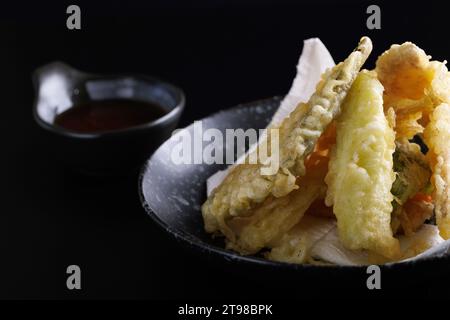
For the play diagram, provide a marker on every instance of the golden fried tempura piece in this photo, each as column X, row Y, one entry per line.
column 245, row 187
column 276, row 216
column 413, row 85
column 404, row 71
column 361, row 173
column 437, row 138
column 271, row 219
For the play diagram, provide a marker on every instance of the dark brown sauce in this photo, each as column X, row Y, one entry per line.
column 108, row 115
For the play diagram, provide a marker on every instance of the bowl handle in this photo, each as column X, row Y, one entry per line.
column 55, row 86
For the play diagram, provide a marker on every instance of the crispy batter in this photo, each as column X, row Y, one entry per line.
column 245, row 187
column 275, row 216
column 270, row 220
column 404, row 71
column 408, row 125
column 361, row 173
column 413, row 84
column 437, row 138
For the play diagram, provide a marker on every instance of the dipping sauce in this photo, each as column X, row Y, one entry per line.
column 108, row 115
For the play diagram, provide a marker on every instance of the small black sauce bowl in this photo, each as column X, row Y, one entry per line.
column 60, row 87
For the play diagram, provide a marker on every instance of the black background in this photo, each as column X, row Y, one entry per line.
column 221, row 53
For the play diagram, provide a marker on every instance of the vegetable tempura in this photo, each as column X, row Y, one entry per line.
column 354, row 186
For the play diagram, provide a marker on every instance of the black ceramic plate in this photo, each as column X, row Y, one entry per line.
column 173, row 194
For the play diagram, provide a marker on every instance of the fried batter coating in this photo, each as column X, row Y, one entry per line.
column 245, row 187
column 413, row 85
column 276, row 216
column 404, row 71
column 361, row 173
column 437, row 138
column 271, row 219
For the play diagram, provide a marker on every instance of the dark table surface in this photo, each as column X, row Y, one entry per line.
column 221, row 53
